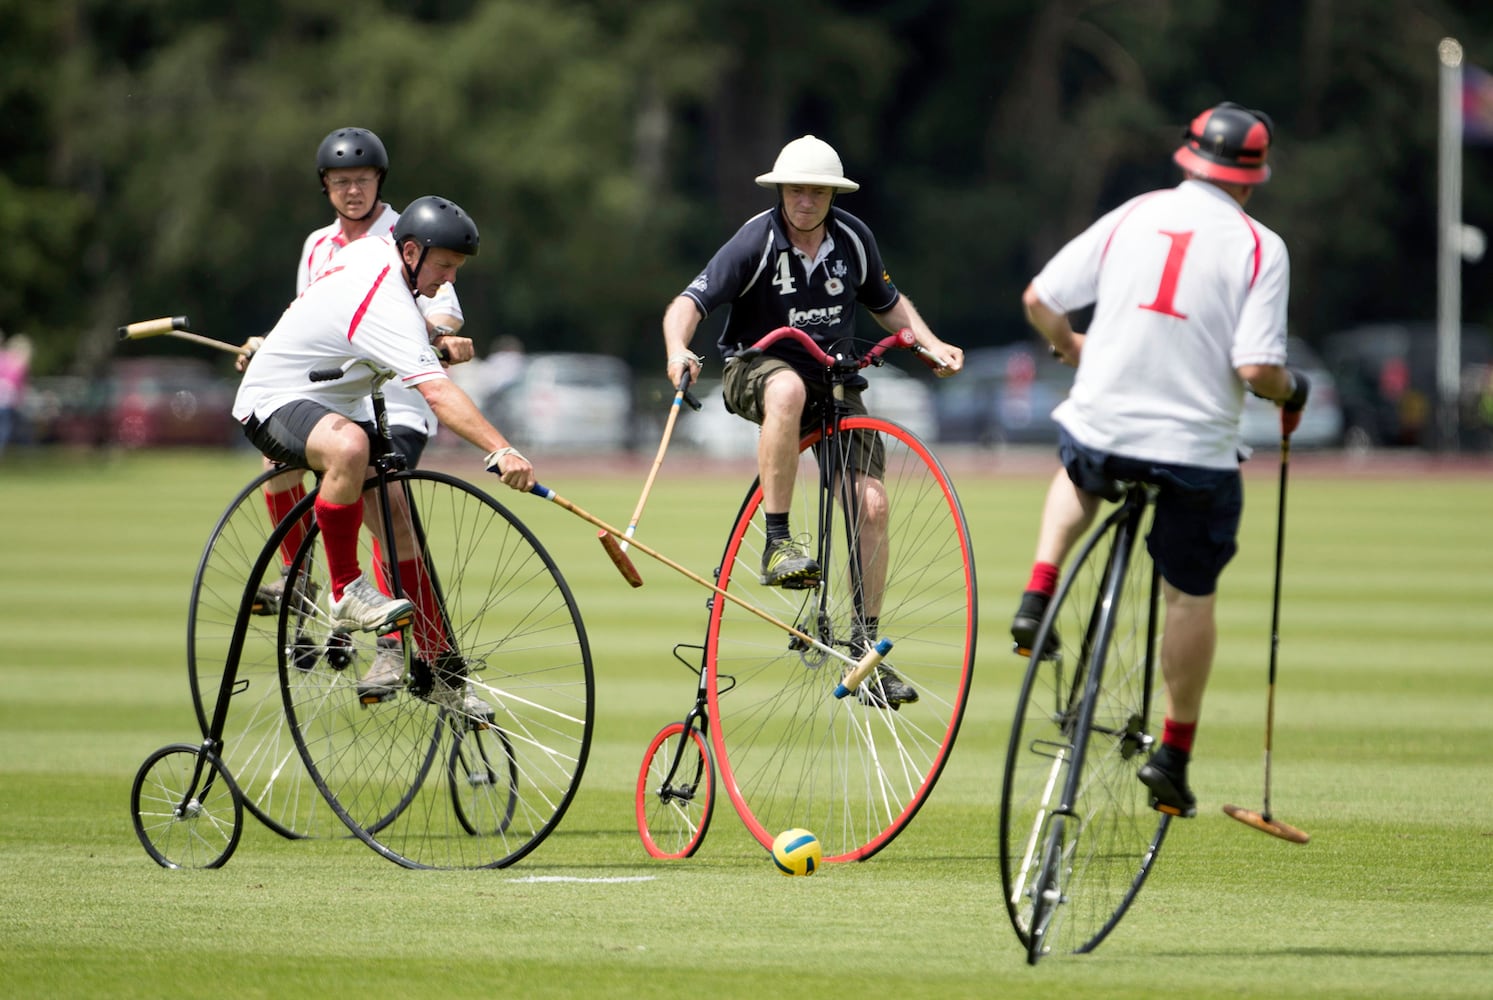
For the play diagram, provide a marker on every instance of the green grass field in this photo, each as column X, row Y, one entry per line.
column 1383, row 752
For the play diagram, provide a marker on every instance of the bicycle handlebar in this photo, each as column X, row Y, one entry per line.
column 902, row 338
column 333, row 374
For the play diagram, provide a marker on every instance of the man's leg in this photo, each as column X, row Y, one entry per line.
column 1187, row 647
column 1066, row 515
column 784, row 562
column 338, row 447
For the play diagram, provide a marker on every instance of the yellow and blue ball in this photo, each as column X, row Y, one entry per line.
column 797, row 852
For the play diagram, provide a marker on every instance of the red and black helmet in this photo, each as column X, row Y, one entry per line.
column 1228, row 143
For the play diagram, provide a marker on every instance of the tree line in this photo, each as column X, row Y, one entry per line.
column 159, row 155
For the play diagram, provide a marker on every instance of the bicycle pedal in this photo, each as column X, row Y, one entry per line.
column 396, row 625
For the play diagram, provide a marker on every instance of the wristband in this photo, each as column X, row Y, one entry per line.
column 687, row 356
column 491, row 461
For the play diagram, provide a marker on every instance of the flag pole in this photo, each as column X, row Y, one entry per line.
column 1449, row 248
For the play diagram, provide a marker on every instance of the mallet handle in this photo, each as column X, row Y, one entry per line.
column 153, row 327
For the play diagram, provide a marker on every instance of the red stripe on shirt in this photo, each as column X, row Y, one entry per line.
column 1256, row 234
column 363, row 306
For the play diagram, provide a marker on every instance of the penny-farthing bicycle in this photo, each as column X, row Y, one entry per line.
column 470, row 763
column 893, row 550
column 1077, row 834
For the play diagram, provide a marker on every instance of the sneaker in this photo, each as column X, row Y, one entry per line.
column 385, row 674
column 787, row 563
column 451, row 690
column 1165, row 774
column 1029, row 619
column 363, row 608
column 269, row 595
column 884, row 687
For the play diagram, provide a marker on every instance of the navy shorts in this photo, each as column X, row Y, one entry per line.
column 1196, row 528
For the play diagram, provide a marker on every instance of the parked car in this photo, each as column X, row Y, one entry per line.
column 1004, row 395
column 170, row 401
column 1386, row 375
column 138, row 403
column 566, row 402
column 1321, row 422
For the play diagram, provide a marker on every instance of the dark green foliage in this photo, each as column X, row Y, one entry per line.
column 158, row 154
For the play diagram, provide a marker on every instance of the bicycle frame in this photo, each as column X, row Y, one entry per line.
column 385, row 462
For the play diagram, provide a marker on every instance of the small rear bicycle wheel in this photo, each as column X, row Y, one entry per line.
column 675, row 792
column 507, row 615
column 256, row 743
column 186, row 808
column 1069, row 875
column 790, row 753
column 483, row 774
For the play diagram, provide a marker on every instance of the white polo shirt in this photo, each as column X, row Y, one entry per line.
column 359, row 307
column 407, row 408
column 1186, row 288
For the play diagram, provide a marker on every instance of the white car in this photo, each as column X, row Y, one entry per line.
column 566, row 402
column 1321, row 422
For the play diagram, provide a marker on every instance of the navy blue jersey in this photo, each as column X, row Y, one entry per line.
column 768, row 284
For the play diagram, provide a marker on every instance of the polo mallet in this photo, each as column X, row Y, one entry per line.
column 174, row 326
column 860, row 668
column 618, row 549
column 1263, row 820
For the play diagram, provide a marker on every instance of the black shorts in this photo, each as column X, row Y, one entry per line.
column 1196, row 528
column 282, row 438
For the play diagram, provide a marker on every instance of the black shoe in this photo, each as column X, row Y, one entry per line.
column 885, row 688
column 1165, row 774
column 1029, row 619
column 787, row 563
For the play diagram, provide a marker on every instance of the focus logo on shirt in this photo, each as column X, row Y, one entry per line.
column 429, row 357
column 814, row 317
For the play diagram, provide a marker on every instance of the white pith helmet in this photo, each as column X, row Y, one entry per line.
column 808, row 160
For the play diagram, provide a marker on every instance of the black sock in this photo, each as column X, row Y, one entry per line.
column 777, row 526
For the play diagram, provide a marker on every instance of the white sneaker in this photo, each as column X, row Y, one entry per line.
column 451, row 690
column 385, row 674
column 364, row 609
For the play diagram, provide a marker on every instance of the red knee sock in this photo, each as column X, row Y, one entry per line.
column 430, row 628
column 339, row 536
column 1178, row 735
column 279, row 505
column 1044, row 578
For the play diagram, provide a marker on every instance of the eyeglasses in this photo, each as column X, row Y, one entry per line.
column 362, row 181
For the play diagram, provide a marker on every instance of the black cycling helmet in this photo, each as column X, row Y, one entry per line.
column 1228, row 143
column 351, row 147
column 432, row 221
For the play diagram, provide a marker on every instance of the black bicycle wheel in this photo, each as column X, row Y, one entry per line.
column 675, row 794
column 1069, row 875
column 505, row 615
column 790, row 753
column 187, row 811
column 483, row 774
column 256, row 743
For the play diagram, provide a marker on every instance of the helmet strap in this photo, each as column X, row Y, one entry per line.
column 411, row 276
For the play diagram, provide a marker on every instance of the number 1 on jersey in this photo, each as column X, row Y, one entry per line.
column 1166, row 295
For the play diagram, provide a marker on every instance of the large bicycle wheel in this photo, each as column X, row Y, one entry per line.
column 507, row 614
column 675, row 792
column 256, row 743
column 791, row 754
column 186, row 809
column 1069, row 875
